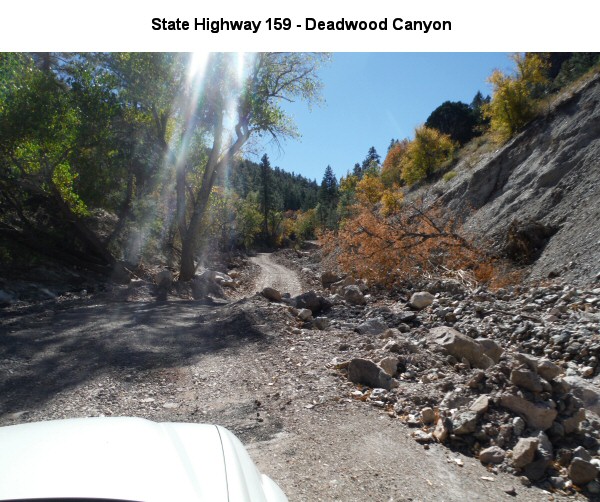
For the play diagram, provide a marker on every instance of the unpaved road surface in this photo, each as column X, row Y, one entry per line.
column 246, row 366
column 276, row 276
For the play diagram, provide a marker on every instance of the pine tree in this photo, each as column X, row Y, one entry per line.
column 265, row 169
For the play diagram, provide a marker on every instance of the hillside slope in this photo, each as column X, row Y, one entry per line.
column 542, row 188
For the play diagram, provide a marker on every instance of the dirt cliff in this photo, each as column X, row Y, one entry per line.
column 538, row 196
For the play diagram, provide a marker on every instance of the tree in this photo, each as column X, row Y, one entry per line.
column 425, row 154
column 328, row 199
column 270, row 78
column 265, row 168
column 391, row 172
column 456, row 119
column 513, row 103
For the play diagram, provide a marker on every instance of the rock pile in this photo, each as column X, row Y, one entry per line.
column 505, row 376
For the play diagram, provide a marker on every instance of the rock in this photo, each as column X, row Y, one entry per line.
column 442, row 429
column 164, row 279
column 459, row 346
column 170, row 405
column 490, row 348
column 547, row 369
column 537, row 415
column 492, row 455
column 363, row 371
column 422, row 437
column 204, row 285
column 309, row 300
column 581, row 452
column 354, row 296
column 321, row 323
column 328, row 278
column 389, row 365
column 586, row 391
column 480, row 405
column 421, row 300
column 371, row 327
column 5, row 298
column 120, row 273
column 526, row 379
column 427, row 415
column 518, row 426
column 593, row 487
column 582, row 472
column 571, row 424
column 464, row 423
column 587, row 372
column 304, row 314
column 524, row 452
column 271, row 294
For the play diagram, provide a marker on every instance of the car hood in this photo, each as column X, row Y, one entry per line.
column 125, row 459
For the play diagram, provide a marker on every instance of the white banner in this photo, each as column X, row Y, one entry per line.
column 307, row 25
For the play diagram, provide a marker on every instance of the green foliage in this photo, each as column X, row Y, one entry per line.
column 450, row 175
column 456, row 119
column 425, row 154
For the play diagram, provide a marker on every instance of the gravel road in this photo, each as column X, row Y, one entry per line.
column 276, row 276
column 246, row 365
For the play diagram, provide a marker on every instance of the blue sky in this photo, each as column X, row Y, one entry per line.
column 373, row 97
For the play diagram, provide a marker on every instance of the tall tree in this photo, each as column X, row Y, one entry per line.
column 265, row 168
column 456, row 119
column 268, row 79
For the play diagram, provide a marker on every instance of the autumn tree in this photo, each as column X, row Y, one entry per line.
column 426, row 154
column 391, row 171
column 513, row 102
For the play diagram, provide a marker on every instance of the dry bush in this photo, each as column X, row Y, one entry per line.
column 418, row 241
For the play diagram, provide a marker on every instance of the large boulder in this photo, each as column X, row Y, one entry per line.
column 537, row 415
column 363, row 371
column 458, row 345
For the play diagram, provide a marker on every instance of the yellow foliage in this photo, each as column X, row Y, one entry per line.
column 425, row 154
column 369, row 190
column 391, row 172
column 513, row 104
column 391, row 202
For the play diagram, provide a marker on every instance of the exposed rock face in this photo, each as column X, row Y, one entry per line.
column 537, row 178
column 459, row 346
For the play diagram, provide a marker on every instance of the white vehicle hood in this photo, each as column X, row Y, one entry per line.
column 126, row 459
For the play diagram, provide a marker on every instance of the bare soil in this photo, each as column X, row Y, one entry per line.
column 246, row 365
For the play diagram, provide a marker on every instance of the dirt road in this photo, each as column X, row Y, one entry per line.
column 276, row 276
column 247, row 366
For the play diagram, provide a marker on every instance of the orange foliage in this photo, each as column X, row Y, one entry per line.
column 413, row 241
column 391, row 171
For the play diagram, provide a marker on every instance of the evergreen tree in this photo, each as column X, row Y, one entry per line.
column 372, row 157
column 265, row 170
column 328, row 199
column 455, row 119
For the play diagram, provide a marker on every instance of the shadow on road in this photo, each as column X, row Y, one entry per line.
column 45, row 353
